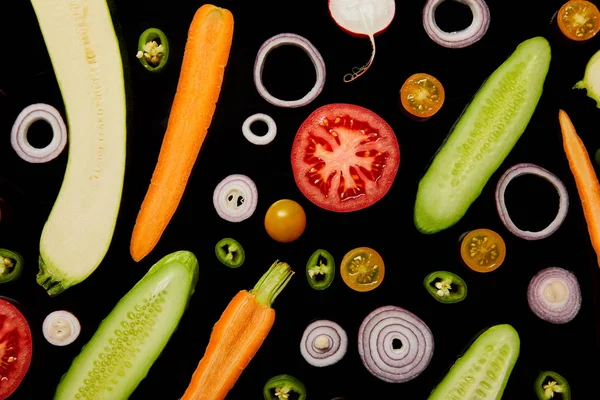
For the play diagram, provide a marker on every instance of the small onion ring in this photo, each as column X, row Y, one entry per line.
column 235, row 198
column 18, row 135
column 552, row 282
column 531, row 169
column 462, row 38
column 375, row 344
column 336, row 343
column 61, row 328
column 255, row 139
column 315, row 57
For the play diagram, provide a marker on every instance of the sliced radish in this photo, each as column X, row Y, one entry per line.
column 362, row 18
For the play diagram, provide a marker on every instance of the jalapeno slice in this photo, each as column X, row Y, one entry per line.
column 153, row 49
column 284, row 387
column 320, row 269
column 11, row 265
column 550, row 385
column 230, row 252
column 445, row 287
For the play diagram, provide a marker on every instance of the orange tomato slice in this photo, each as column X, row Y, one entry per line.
column 483, row 250
column 422, row 95
column 362, row 269
column 579, row 20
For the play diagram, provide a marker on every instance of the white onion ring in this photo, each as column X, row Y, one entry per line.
column 294, row 40
column 375, row 344
column 531, row 169
column 336, row 346
column 61, row 328
column 462, row 38
column 255, row 139
column 18, row 135
column 554, row 295
column 235, row 198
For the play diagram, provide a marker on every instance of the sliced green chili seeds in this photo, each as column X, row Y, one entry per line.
column 230, row 252
column 549, row 384
column 11, row 265
column 320, row 269
column 153, row 49
column 283, row 387
column 445, row 287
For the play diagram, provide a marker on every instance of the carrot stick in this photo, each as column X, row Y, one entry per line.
column 237, row 336
column 586, row 180
column 203, row 66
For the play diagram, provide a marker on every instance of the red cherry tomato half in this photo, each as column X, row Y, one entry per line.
column 15, row 348
column 344, row 157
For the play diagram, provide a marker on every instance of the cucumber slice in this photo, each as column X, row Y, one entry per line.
column 591, row 79
column 482, row 372
column 482, row 137
column 132, row 336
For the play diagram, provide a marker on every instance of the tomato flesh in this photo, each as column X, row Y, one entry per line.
column 344, row 157
column 422, row 95
column 579, row 20
column 362, row 269
column 15, row 348
column 483, row 250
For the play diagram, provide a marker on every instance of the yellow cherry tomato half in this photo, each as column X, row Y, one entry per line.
column 285, row 221
column 579, row 20
column 422, row 95
column 362, row 269
column 483, row 250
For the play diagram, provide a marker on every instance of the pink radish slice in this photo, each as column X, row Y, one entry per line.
column 362, row 18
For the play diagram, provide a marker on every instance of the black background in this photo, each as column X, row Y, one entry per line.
column 26, row 77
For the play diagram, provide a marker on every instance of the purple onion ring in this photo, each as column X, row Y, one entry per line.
column 462, row 38
column 235, row 198
column 531, row 169
column 554, row 295
column 333, row 340
column 377, row 335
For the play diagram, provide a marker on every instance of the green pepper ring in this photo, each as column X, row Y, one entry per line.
column 226, row 257
column 147, row 36
column 17, row 269
column 559, row 379
column 459, row 295
column 284, row 381
column 312, row 262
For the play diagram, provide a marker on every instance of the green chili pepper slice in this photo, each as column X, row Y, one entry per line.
column 284, row 387
column 230, row 252
column 153, row 49
column 445, row 287
column 320, row 269
column 11, row 265
column 550, row 385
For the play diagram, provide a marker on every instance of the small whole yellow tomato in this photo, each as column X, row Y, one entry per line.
column 285, row 220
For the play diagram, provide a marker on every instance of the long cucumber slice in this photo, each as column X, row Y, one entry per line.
column 132, row 336
column 483, row 370
column 482, row 138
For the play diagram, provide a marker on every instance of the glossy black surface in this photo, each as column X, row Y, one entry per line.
column 26, row 77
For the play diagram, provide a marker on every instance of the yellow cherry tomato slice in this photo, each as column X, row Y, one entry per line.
column 579, row 20
column 422, row 95
column 483, row 250
column 362, row 269
column 285, row 221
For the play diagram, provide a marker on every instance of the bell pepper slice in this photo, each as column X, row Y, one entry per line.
column 445, row 287
column 153, row 49
column 548, row 384
column 11, row 265
column 283, row 387
column 320, row 269
column 230, row 252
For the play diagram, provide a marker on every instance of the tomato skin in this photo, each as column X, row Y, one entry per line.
column 14, row 325
column 579, row 9
column 285, row 221
column 488, row 255
column 362, row 269
column 426, row 85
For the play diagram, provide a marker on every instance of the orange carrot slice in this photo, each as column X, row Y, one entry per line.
column 203, row 66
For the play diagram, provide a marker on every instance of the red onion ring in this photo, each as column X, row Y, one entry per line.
column 235, row 198
column 462, row 38
column 29, row 115
column 531, row 169
column 376, row 338
column 323, row 343
column 294, row 40
column 554, row 295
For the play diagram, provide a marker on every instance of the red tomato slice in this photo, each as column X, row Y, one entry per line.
column 15, row 348
column 345, row 157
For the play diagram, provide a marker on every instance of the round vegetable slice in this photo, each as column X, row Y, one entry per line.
column 285, row 220
column 483, row 250
column 283, row 387
column 61, row 328
column 15, row 348
column 252, row 137
column 422, row 95
column 230, row 252
column 462, row 38
column 579, row 20
column 554, row 295
column 323, row 343
column 344, row 157
column 11, row 265
column 235, row 198
column 320, row 269
column 362, row 269
column 445, row 287
column 551, row 385
column 153, row 49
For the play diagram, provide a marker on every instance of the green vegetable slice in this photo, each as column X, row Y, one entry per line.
column 445, row 287
column 230, row 252
column 549, row 385
column 320, row 269
column 591, row 79
column 284, row 387
column 11, row 265
column 153, row 49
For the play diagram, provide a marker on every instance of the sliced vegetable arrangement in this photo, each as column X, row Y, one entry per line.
column 554, row 295
column 320, row 269
column 579, row 20
column 463, row 38
column 422, row 95
column 483, row 250
column 323, row 343
column 445, row 287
